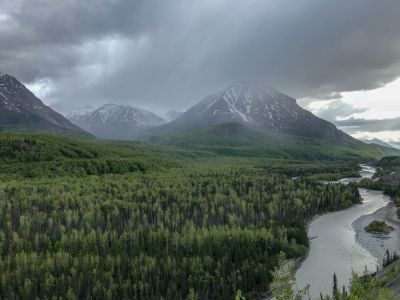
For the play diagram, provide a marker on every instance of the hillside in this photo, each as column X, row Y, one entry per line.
column 21, row 110
column 37, row 155
column 235, row 139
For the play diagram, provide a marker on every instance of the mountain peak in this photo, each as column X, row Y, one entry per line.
column 116, row 121
column 20, row 109
column 259, row 108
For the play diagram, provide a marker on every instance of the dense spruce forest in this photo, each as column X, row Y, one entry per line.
column 102, row 220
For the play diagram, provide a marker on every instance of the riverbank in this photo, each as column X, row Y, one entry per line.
column 377, row 244
column 334, row 248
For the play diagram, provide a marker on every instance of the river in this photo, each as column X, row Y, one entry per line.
column 338, row 242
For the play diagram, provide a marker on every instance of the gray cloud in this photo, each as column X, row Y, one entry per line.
column 172, row 53
column 353, row 125
column 338, row 109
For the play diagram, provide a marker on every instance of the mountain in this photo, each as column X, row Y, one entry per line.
column 257, row 108
column 378, row 142
column 112, row 121
column 87, row 109
column 21, row 110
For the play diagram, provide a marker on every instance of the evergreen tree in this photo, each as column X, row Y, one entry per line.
column 335, row 290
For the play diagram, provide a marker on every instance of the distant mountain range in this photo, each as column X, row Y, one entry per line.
column 243, row 114
column 394, row 144
column 21, row 110
column 378, row 142
column 112, row 121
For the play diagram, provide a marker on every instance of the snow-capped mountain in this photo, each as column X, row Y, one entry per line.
column 87, row 109
column 113, row 121
column 378, row 142
column 20, row 109
column 257, row 108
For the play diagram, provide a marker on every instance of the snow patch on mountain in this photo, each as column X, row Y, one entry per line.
column 126, row 114
column 258, row 108
column 81, row 111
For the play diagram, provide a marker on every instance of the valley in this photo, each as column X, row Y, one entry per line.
column 71, row 206
column 200, row 207
column 199, row 150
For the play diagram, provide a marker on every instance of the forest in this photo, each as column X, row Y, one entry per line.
column 144, row 222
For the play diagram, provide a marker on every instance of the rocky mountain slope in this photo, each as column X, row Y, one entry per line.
column 112, row 121
column 258, row 108
column 21, row 110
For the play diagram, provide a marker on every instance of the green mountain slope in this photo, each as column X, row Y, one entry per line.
column 36, row 155
column 234, row 139
column 16, row 122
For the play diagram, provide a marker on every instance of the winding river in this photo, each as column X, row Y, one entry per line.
column 339, row 243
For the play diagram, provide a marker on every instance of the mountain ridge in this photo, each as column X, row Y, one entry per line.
column 21, row 110
column 115, row 121
column 258, row 108
column 379, row 142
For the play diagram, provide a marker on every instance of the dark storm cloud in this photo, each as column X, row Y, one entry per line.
column 172, row 53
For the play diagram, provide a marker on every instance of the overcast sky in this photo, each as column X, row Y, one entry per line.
column 340, row 58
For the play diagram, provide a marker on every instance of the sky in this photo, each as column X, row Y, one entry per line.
column 340, row 59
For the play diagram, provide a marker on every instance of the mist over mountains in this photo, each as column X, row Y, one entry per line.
column 264, row 110
column 112, row 121
column 377, row 142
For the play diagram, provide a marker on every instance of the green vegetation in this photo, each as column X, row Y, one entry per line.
column 123, row 220
column 28, row 123
column 378, row 227
column 390, row 163
column 371, row 286
column 151, row 235
column 387, row 164
column 283, row 285
column 367, row 287
column 237, row 140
